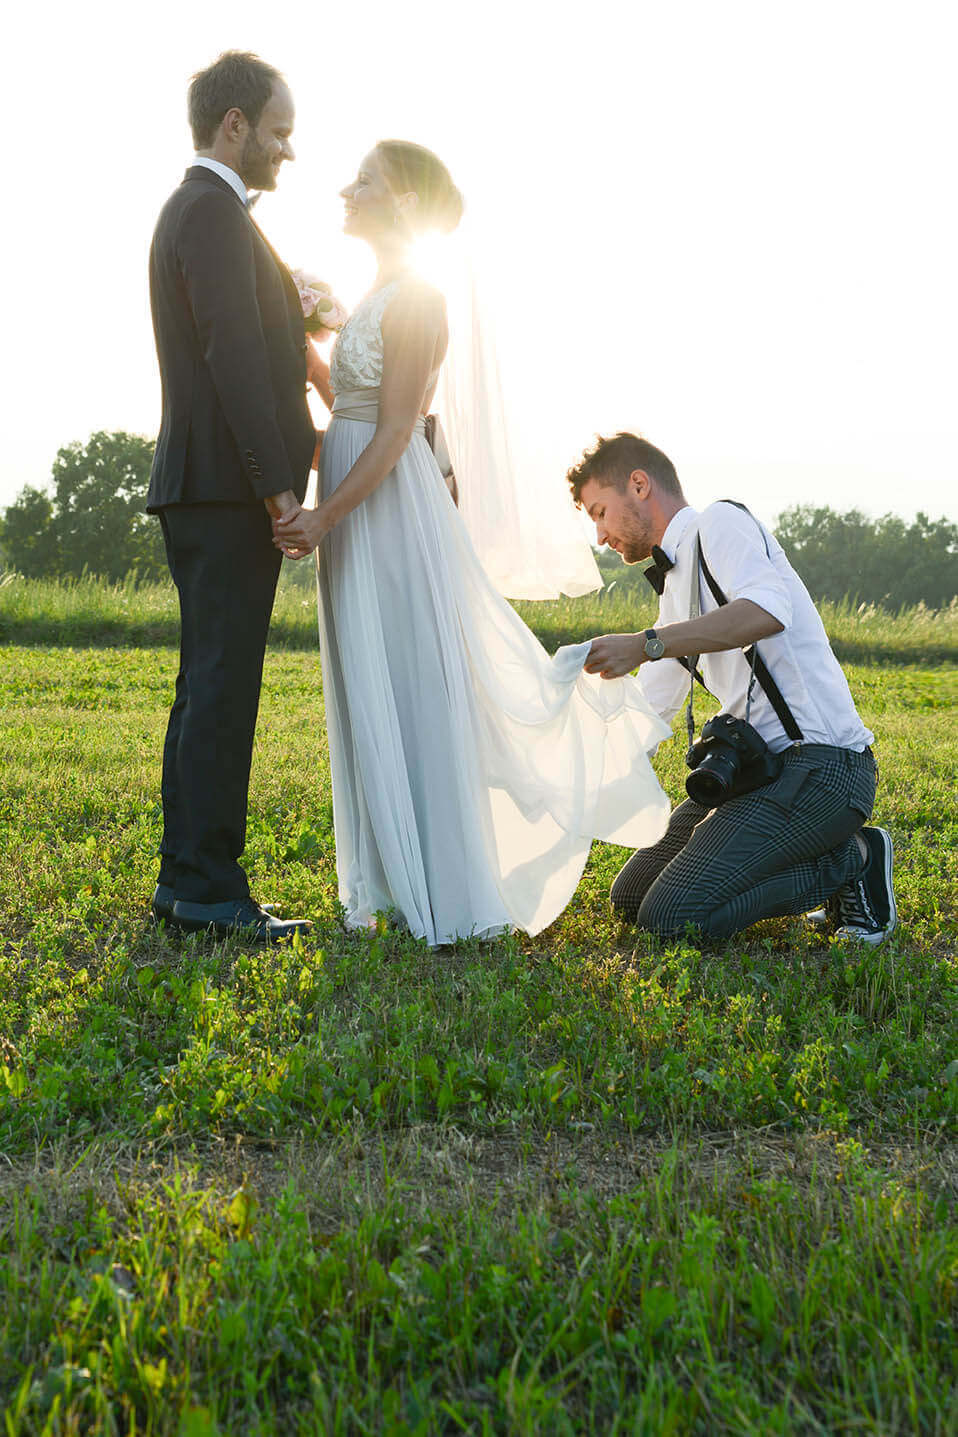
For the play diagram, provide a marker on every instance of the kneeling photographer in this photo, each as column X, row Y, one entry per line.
column 782, row 781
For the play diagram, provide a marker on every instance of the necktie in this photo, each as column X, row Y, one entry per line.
column 657, row 570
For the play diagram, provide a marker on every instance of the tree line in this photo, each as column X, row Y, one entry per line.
column 92, row 520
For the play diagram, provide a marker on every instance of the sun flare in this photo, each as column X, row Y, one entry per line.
column 434, row 258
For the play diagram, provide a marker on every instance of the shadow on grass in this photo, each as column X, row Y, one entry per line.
column 299, row 635
column 44, row 631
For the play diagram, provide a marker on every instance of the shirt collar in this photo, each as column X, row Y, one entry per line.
column 225, row 173
column 676, row 529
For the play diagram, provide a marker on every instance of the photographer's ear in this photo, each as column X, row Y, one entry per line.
column 640, row 485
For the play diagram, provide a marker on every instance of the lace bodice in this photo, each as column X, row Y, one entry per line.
column 357, row 358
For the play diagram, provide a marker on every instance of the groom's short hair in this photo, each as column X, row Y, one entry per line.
column 238, row 80
column 614, row 459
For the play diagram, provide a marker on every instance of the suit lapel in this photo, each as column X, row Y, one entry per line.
column 292, row 293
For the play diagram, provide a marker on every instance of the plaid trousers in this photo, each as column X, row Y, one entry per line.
column 781, row 849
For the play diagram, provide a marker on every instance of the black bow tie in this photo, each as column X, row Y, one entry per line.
column 657, row 570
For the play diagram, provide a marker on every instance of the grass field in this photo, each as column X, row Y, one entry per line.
column 576, row 1183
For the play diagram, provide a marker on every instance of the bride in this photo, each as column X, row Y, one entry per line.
column 470, row 770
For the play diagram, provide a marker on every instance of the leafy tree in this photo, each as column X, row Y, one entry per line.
column 96, row 519
column 877, row 561
column 882, row 561
column 99, row 498
column 25, row 534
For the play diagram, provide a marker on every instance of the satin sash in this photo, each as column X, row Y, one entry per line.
column 362, row 405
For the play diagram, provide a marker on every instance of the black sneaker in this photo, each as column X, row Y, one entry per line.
column 825, row 919
column 866, row 908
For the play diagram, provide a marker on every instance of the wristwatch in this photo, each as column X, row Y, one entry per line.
column 654, row 647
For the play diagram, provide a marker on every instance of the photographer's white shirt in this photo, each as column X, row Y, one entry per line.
column 799, row 659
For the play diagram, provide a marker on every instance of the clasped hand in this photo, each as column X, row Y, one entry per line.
column 299, row 532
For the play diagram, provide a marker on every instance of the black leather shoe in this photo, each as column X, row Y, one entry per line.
column 161, row 905
column 238, row 916
column 164, row 897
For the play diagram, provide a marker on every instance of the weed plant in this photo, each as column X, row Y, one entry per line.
column 584, row 1182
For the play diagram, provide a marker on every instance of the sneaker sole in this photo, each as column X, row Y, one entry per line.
column 874, row 939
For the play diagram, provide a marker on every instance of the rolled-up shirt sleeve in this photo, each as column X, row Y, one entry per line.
column 734, row 549
column 665, row 684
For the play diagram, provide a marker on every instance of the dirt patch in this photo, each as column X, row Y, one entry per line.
column 442, row 1168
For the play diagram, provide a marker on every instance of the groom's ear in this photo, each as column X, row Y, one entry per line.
column 234, row 124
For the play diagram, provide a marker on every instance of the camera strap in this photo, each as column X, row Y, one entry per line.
column 759, row 669
column 692, row 661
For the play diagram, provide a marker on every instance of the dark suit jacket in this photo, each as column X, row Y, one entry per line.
column 231, row 346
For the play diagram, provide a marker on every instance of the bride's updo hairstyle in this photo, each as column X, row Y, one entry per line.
column 413, row 168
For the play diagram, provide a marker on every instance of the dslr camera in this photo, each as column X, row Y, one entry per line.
column 731, row 758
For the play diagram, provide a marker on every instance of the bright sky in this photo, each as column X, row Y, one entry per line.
column 730, row 226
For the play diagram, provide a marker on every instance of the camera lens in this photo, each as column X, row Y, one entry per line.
column 710, row 783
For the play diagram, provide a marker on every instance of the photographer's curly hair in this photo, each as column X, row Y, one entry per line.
column 613, row 460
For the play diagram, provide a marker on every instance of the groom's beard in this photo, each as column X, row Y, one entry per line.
column 256, row 167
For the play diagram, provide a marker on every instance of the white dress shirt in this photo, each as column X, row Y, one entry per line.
column 799, row 659
column 225, row 173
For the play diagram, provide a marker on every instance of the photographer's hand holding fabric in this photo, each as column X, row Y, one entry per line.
column 736, row 626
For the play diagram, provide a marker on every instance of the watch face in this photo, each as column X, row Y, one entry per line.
column 654, row 647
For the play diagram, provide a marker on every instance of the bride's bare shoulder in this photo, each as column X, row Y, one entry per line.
column 413, row 294
column 415, row 304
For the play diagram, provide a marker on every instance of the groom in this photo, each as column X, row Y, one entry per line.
column 234, row 451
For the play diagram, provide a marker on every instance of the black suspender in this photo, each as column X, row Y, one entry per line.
column 772, row 691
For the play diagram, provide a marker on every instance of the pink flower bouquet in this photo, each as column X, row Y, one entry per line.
column 322, row 312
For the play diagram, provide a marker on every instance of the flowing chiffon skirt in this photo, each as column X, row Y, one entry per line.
column 470, row 770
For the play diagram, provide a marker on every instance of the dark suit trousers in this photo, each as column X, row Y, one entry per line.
column 782, row 849
column 225, row 570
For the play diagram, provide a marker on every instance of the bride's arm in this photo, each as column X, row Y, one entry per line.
column 414, row 337
column 317, row 373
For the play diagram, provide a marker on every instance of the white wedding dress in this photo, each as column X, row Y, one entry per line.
column 470, row 770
